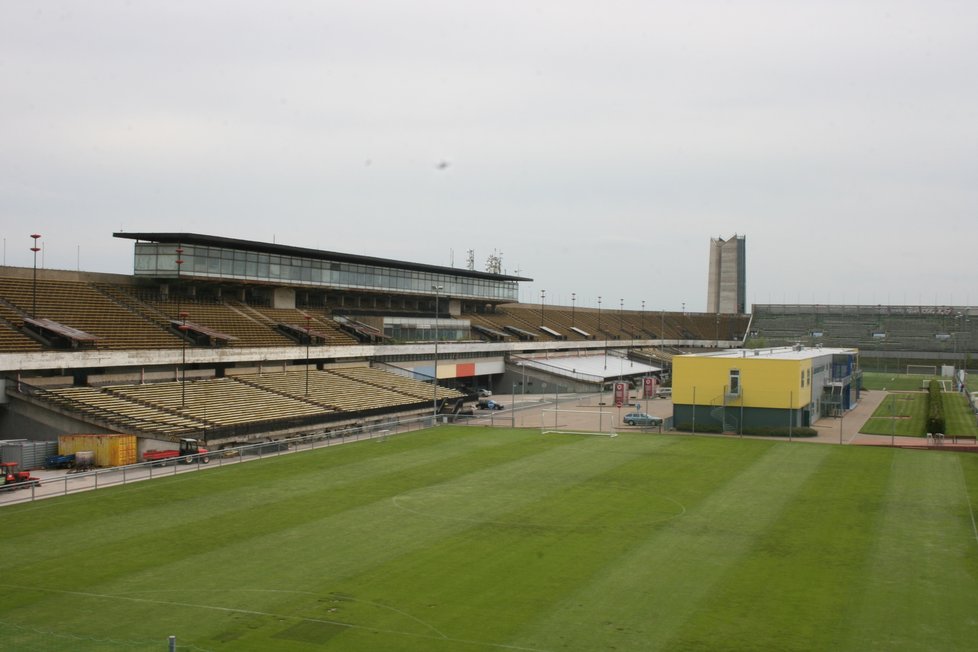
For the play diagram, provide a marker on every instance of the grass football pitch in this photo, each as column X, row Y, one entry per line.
column 463, row 538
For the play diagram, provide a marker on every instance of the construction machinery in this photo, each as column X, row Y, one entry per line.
column 13, row 479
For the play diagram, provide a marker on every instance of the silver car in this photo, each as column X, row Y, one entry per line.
column 642, row 419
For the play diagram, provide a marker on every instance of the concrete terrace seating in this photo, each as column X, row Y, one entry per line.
column 82, row 306
column 320, row 322
column 11, row 339
column 906, row 328
column 121, row 411
column 223, row 317
column 343, row 390
column 221, row 402
column 174, row 408
column 399, row 384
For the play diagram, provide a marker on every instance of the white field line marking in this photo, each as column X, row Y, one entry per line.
column 324, row 621
column 339, row 597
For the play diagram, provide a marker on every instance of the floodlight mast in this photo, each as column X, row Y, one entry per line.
column 35, row 248
column 434, row 373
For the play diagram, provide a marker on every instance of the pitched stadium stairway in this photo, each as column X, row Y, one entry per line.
column 272, row 317
column 285, row 392
column 12, row 339
column 139, row 308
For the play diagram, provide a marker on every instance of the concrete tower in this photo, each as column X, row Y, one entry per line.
column 727, row 289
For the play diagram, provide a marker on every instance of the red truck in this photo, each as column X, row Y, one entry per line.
column 190, row 452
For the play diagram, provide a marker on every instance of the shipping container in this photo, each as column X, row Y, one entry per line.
column 28, row 455
column 109, row 449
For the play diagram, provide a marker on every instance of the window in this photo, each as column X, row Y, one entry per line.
column 735, row 381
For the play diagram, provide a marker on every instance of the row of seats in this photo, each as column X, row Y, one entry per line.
column 81, row 306
column 123, row 320
column 107, row 406
column 176, row 408
column 219, row 402
column 612, row 324
column 227, row 320
column 396, row 383
column 320, row 322
column 868, row 330
column 125, row 317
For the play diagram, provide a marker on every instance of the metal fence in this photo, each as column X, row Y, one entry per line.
column 519, row 412
column 70, row 482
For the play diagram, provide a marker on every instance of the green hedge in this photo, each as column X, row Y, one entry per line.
column 935, row 408
column 759, row 431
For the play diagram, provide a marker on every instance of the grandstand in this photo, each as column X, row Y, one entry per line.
column 249, row 340
column 887, row 336
column 236, row 340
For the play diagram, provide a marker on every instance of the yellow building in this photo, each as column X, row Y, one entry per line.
column 763, row 388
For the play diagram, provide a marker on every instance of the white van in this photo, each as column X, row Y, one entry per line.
column 664, row 392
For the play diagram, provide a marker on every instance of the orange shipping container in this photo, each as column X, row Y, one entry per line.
column 109, row 450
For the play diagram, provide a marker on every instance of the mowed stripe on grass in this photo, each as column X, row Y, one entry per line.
column 642, row 599
column 459, row 539
column 920, row 586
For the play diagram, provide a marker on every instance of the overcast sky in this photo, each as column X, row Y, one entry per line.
column 597, row 146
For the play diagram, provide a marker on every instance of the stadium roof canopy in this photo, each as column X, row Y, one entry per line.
column 303, row 252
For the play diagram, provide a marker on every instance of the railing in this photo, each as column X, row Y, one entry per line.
column 74, row 482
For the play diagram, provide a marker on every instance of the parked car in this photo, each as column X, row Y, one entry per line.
column 489, row 404
column 642, row 419
column 485, row 392
column 664, row 392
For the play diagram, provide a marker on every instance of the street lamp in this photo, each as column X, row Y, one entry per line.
column 179, row 262
column 35, row 249
column 621, row 315
column 643, row 316
column 573, row 299
column 599, row 312
column 434, row 374
column 183, row 366
column 183, row 328
column 543, row 295
column 308, row 339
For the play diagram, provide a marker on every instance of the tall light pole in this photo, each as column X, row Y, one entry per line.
column 308, row 340
column 434, row 380
column 573, row 299
column 599, row 312
column 35, row 249
column 183, row 366
column 643, row 316
column 179, row 262
column 621, row 315
column 543, row 295
column 183, row 331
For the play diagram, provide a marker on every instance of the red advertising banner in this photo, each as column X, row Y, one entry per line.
column 621, row 393
column 649, row 386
